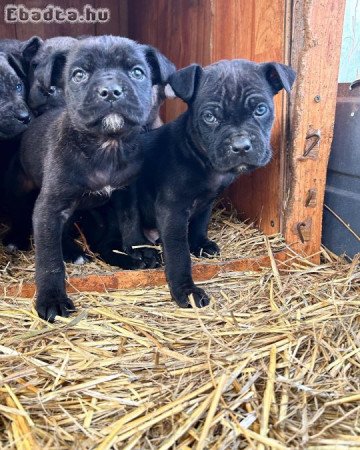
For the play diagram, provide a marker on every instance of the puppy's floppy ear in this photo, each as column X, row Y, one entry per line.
column 17, row 65
column 161, row 67
column 14, row 62
column 185, row 82
column 279, row 76
column 52, row 70
column 30, row 47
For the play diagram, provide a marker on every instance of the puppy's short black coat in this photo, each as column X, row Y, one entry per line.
column 78, row 155
column 190, row 161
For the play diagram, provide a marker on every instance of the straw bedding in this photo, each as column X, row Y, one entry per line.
column 237, row 240
column 273, row 362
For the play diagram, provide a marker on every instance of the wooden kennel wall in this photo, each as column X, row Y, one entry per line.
column 286, row 196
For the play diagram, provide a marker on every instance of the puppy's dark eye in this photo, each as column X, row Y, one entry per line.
column 19, row 87
column 79, row 75
column 209, row 118
column 261, row 109
column 34, row 65
column 137, row 73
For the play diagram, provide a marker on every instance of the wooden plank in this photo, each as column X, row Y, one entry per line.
column 256, row 31
column 118, row 24
column 315, row 55
column 146, row 278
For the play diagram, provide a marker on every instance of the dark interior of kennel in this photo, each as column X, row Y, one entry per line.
column 286, row 196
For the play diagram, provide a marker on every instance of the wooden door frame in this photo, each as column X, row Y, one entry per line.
column 315, row 47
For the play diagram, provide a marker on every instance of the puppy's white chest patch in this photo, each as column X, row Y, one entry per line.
column 110, row 145
column 107, row 190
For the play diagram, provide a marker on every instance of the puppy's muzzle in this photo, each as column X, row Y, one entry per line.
column 23, row 117
column 241, row 145
column 110, row 92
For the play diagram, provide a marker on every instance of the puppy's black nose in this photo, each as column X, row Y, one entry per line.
column 23, row 117
column 241, row 145
column 111, row 92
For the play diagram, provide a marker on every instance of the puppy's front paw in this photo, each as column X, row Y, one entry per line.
column 181, row 297
column 50, row 305
column 206, row 249
column 151, row 257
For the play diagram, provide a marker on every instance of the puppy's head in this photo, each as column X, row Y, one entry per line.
column 108, row 83
column 46, row 74
column 232, row 110
column 14, row 113
column 14, row 63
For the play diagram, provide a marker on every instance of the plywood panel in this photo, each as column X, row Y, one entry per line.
column 180, row 29
column 256, row 31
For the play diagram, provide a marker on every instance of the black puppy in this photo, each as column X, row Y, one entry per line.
column 14, row 112
column 46, row 79
column 80, row 154
column 105, row 227
column 225, row 132
column 14, row 62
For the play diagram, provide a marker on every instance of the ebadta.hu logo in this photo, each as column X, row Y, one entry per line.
column 55, row 14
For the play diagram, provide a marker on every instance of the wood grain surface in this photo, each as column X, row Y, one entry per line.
column 315, row 55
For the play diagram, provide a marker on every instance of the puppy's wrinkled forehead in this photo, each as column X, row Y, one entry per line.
column 234, row 81
column 107, row 52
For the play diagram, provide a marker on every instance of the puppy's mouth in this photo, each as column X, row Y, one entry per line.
column 244, row 168
column 113, row 123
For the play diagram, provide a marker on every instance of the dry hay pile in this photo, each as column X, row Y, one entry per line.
column 274, row 362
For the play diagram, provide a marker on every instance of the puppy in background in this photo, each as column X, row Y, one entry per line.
column 85, row 150
column 14, row 65
column 46, row 81
column 188, row 162
column 15, row 114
